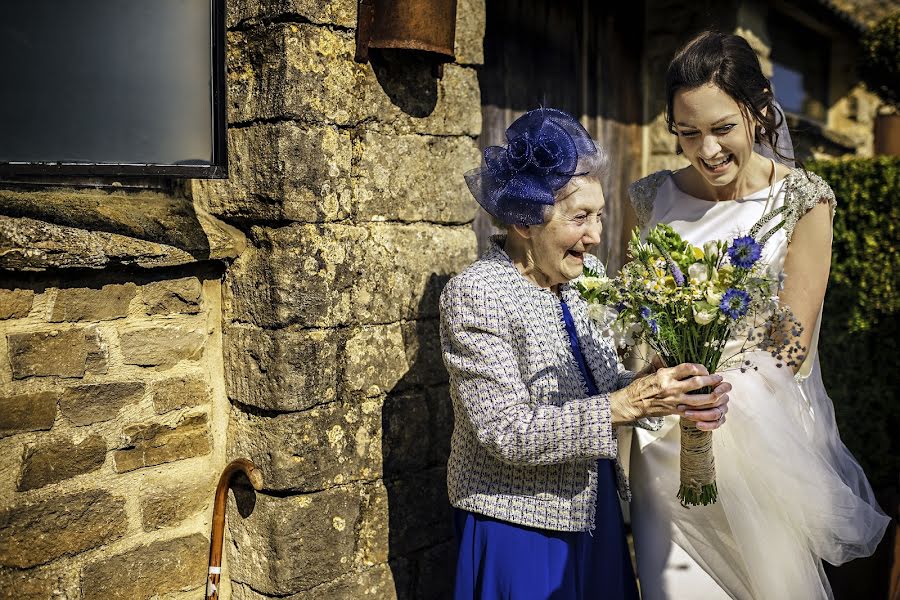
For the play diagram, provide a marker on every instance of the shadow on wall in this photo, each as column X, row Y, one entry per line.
column 417, row 421
column 407, row 77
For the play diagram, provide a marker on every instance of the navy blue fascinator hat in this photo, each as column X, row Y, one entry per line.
column 545, row 148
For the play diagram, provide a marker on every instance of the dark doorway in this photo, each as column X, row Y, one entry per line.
column 582, row 57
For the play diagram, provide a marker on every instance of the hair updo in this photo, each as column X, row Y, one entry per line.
column 728, row 62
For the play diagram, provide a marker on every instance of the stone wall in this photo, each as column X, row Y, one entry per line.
column 112, row 432
column 347, row 180
column 149, row 333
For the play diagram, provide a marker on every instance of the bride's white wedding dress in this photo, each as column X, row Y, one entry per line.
column 790, row 493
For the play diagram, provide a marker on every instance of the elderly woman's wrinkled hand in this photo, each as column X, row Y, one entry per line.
column 668, row 392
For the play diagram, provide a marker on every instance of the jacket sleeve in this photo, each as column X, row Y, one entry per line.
column 480, row 353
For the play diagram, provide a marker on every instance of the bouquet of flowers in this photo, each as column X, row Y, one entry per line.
column 686, row 303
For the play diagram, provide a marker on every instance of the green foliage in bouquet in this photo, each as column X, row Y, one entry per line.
column 858, row 342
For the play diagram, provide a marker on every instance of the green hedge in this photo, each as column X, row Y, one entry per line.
column 858, row 344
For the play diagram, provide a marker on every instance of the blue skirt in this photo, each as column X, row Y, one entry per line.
column 498, row 560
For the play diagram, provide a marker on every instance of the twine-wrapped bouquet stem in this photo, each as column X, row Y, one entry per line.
column 698, row 465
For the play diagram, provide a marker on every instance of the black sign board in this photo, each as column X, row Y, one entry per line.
column 112, row 87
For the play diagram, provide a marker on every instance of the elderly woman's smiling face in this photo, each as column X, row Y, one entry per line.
column 553, row 253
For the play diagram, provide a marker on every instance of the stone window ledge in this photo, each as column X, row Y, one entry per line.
column 60, row 228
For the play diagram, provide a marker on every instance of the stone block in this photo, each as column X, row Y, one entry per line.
column 27, row 412
column 314, row 449
column 399, row 90
column 343, row 274
column 376, row 583
column 40, row 583
column 420, row 513
column 282, row 370
column 83, row 304
column 404, row 178
column 375, row 359
column 63, row 353
column 293, row 544
column 153, row 444
column 172, row 296
column 163, row 216
column 298, row 71
column 283, row 171
column 334, row 12
column 162, row 346
column 180, row 392
column 33, row 245
column 95, row 403
column 435, row 570
column 166, row 505
column 35, row 533
column 15, row 304
column 373, row 546
column 57, row 459
column 422, row 343
column 307, row 73
column 148, row 571
column 470, row 26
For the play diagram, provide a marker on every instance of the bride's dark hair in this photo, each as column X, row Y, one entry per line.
column 728, row 62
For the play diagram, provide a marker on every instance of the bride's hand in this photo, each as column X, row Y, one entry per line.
column 711, row 414
column 667, row 392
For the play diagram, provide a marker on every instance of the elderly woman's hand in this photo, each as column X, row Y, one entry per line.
column 667, row 392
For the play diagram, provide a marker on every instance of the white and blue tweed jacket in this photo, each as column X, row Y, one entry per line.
column 527, row 436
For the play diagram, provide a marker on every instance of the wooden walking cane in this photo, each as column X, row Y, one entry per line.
column 235, row 467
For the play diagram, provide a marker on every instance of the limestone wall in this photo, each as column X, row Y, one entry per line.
column 112, row 432
column 347, row 180
column 287, row 315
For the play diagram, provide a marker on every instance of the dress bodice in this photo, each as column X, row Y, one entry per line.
column 699, row 221
column 657, row 199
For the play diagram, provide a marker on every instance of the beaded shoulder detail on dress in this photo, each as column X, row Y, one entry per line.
column 802, row 191
column 643, row 192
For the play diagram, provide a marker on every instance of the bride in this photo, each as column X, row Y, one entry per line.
column 790, row 493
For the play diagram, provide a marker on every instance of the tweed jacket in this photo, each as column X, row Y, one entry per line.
column 527, row 435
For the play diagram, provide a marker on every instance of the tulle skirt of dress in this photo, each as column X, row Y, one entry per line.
column 790, row 493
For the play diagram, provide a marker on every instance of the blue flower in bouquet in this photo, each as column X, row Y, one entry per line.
column 735, row 303
column 647, row 315
column 744, row 252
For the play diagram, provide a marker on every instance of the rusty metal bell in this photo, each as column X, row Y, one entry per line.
column 424, row 25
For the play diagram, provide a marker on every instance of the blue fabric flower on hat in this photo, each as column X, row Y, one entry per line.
column 517, row 182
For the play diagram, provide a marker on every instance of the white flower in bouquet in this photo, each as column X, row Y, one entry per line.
column 698, row 273
column 705, row 313
column 598, row 284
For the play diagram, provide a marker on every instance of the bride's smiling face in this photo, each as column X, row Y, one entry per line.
column 714, row 131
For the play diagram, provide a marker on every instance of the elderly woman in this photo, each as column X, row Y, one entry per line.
column 537, row 390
